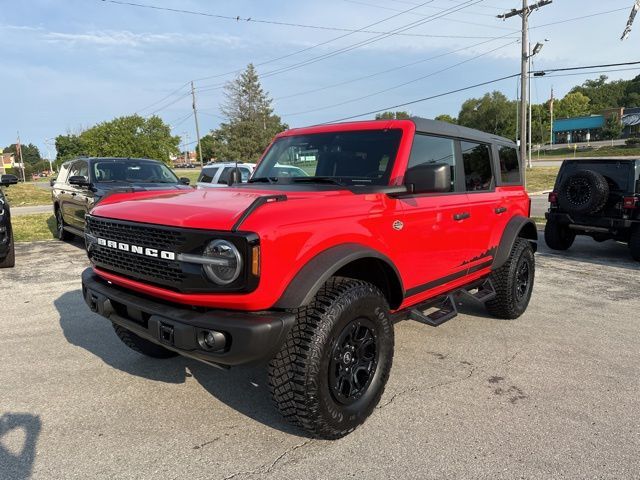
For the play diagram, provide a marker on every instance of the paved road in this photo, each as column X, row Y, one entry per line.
column 17, row 211
column 539, row 205
column 551, row 395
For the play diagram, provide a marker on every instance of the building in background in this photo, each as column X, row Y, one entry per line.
column 7, row 162
column 589, row 128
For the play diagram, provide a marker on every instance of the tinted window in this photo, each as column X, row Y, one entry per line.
column 207, row 175
column 224, row 176
column 433, row 150
column 352, row 158
column 509, row 165
column 79, row 168
column 132, row 171
column 477, row 166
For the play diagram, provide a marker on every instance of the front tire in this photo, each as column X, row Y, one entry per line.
column 61, row 233
column 333, row 367
column 557, row 236
column 513, row 282
column 10, row 260
column 140, row 345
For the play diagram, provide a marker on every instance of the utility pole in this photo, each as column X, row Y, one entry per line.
column 524, row 13
column 195, row 116
column 19, row 152
column 551, row 115
column 529, row 164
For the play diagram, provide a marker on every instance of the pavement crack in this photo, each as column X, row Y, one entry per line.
column 267, row 468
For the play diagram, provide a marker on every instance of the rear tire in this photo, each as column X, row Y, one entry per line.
column 557, row 236
column 61, row 233
column 140, row 345
column 513, row 282
column 334, row 365
column 10, row 260
column 634, row 243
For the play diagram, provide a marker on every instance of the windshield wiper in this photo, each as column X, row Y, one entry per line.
column 331, row 180
column 263, row 179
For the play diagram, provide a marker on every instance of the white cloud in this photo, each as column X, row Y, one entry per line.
column 125, row 38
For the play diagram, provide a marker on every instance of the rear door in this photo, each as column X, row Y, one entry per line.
column 433, row 226
column 483, row 203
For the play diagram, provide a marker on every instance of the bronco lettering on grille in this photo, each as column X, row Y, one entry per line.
column 125, row 247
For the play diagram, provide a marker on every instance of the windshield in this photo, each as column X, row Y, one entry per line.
column 345, row 158
column 131, row 171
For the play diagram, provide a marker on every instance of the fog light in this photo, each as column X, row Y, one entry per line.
column 212, row 340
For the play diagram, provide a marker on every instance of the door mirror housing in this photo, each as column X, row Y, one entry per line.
column 184, row 181
column 52, row 182
column 6, row 180
column 79, row 181
column 428, row 178
column 234, row 177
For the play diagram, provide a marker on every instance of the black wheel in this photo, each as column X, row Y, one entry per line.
column 557, row 236
column 583, row 192
column 10, row 260
column 61, row 233
column 513, row 282
column 140, row 345
column 634, row 243
column 333, row 367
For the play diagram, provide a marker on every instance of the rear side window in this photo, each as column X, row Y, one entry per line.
column 477, row 166
column 207, row 175
column 509, row 165
column 64, row 172
column 427, row 149
column 224, row 176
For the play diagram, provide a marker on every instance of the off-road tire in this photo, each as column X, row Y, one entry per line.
column 508, row 303
column 583, row 192
column 634, row 243
column 300, row 373
column 558, row 236
column 140, row 345
column 61, row 233
column 10, row 260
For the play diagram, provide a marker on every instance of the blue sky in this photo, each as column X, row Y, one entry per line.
column 67, row 65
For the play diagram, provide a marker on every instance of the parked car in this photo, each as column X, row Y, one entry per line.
column 217, row 174
column 83, row 182
column 308, row 272
column 599, row 198
column 7, row 248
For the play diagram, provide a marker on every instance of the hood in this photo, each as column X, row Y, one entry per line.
column 140, row 187
column 217, row 209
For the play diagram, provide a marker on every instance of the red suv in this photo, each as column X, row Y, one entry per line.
column 387, row 220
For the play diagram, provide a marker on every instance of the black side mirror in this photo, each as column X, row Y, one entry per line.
column 79, row 181
column 234, row 177
column 6, row 180
column 52, row 182
column 428, row 178
column 184, row 181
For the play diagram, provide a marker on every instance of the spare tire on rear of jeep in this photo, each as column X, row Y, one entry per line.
column 583, row 192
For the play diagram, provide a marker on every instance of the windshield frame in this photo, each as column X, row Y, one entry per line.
column 92, row 172
column 340, row 181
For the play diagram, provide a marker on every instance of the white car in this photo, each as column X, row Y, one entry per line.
column 217, row 174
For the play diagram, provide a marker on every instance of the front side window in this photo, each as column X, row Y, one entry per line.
column 207, row 175
column 509, row 165
column 131, row 171
column 347, row 158
column 79, row 169
column 431, row 150
column 476, row 158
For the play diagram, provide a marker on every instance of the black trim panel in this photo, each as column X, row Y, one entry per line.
column 258, row 202
column 449, row 278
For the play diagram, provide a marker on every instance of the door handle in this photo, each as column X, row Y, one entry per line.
column 500, row 210
column 461, row 216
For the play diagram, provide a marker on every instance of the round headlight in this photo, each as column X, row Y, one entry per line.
column 226, row 262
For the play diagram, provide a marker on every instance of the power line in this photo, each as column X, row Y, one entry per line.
column 424, row 99
column 169, row 95
column 399, row 85
column 472, row 13
column 542, row 73
column 567, row 20
column 239, row 19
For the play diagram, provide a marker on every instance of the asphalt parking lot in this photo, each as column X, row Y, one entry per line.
column 551, row 395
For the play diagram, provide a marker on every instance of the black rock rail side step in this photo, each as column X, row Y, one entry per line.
column 485, row 292
column 446, row 311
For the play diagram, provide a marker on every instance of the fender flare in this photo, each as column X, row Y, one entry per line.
column 315, row 273
column 517, row 227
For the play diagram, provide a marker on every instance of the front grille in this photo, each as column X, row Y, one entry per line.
column 137, row 266
column 152, row 237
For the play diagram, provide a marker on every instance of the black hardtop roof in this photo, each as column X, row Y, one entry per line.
column 446, row 129
column 602, row 159
column 113, row 159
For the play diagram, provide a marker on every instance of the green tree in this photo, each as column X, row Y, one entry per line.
column 399, row 115
column 251, row 123
column 492, row 113
column 602, row 94
column 446, row 118
column 69, row 146
column 30, row 153
column 572, row 105
column 210, row 147
column 612, row 128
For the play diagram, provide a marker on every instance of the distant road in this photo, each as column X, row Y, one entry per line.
column 17, row 211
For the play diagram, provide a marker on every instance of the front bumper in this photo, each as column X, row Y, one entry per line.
column 241, row 337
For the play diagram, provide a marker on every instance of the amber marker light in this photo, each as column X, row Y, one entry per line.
column 255, row 261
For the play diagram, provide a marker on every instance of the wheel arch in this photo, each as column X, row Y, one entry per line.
column 348, row 260
column 517, row 227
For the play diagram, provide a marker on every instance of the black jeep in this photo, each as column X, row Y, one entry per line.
column 7, row 252
column 599, row 198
